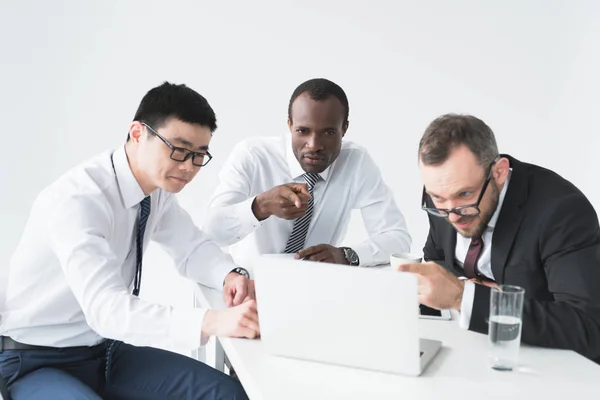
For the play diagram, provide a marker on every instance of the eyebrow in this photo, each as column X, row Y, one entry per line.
column 465, row 189
column 187, row 143
column 328, row 128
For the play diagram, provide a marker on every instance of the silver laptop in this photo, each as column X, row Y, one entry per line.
column 357, row 317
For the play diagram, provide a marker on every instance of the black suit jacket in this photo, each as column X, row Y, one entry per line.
column 546, row 240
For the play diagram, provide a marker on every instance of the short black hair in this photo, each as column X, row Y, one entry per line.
column 320, row 89
column 175, row 101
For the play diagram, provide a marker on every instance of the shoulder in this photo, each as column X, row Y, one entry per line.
column 90, row 184
column 547, row 185
column 552, row 195
column 354, row 153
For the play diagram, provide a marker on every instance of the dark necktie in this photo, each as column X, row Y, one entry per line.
column 470, row 265
column 144, row 213
column 298, row 236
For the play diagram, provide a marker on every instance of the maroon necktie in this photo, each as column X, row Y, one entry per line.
column 470, row 265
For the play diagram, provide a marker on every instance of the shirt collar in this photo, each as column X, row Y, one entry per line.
column 295, row 169
column 492, row 223
column 131, row 192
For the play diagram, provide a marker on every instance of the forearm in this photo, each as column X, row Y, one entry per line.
column 122, row 316
column 228, row 224
column 377, row 248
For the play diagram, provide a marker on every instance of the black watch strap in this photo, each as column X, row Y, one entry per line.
column 241, row 271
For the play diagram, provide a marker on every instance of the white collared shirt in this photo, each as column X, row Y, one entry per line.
column 70, row 278
column 484, row 262
column 352, row 181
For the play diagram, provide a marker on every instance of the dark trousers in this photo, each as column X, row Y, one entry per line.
column 113, row 370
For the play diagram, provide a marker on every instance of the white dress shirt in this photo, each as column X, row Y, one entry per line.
column 484, row 262
column 352, row 181
column 70, row 278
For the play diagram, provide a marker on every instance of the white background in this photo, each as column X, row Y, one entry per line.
column 72, row 74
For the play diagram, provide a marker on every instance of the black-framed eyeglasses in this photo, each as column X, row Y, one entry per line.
column 469, row 210
column 199, row 159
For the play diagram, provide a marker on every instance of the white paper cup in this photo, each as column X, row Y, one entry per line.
column 404, row 258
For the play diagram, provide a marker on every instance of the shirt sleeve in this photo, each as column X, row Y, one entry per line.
column 78, row 229
column 383, row 220
column 466, row 305
column 195, row 255
column 230, row 218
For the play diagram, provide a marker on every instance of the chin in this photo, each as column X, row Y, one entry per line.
column 315, row 169
column 470, row 232
column 172, row 187
column 463, row 233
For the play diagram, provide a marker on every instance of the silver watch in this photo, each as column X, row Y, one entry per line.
column 241, row 271
column 351, row 256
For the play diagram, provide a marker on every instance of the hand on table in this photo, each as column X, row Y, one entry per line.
column 238, row 321
column 323, row 253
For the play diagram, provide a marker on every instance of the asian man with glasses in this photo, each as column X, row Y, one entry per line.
column 73, row 325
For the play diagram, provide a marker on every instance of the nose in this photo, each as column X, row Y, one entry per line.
column 314, row 143
column 452, row 217
column 187, row 165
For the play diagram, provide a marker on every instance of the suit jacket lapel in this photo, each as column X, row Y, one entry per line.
column 509, row 218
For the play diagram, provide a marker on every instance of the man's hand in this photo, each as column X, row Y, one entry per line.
column 288, row 201
column 324, row 253
column 238, row 321
column 237, row 289
column 438, row 288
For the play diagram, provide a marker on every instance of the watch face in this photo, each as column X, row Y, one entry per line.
column 351, row 256
column 242, row 271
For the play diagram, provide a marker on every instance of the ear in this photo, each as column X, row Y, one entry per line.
column 289, row 122
column 501, row 170
column 135, row 131
column 345, row 128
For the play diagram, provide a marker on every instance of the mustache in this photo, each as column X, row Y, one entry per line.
column 463, row 220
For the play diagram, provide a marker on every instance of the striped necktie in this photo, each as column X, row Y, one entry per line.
column 141, row 229
column 298, row 236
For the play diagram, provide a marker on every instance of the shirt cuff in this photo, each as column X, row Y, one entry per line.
column 365, row 255
column 186, row 327
column 466, row 305
column 246, row 217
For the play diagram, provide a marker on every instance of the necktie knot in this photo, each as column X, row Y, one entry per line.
column 476, row 241
column 311, row 179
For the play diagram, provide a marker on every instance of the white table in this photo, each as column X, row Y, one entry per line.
column 459, row 371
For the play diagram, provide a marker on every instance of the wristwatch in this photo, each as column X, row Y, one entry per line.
column 351, row 256
column 241, row 271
